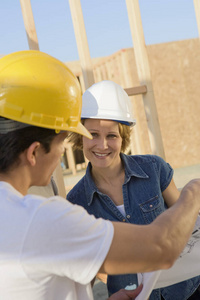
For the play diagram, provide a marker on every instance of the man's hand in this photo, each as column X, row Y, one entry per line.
column 125, row 294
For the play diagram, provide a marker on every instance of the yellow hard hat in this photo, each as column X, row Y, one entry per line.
column 39, row 90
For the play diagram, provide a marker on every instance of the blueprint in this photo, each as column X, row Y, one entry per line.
column 186, row 266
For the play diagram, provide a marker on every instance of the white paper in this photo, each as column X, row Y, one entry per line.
column 186, row 267
column 149, row 281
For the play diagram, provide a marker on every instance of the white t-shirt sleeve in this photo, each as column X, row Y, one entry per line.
column 63, row 239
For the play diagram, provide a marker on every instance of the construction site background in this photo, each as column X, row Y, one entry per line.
column 175, row 72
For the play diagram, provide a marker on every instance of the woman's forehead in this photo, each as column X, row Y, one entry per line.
column 102, row 123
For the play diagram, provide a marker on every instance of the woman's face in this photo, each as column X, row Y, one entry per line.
column 104, row 149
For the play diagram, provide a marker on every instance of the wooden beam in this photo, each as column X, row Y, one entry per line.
column 29, row 24
column 144, row 75
column 137, row 90
column 197, row 12
column 136, row 142
column 70, row 157
column 82, row 44
column 33, row 45
column 58, row 177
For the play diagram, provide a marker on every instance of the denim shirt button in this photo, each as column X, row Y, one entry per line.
column 124, row 220
column 128, row 216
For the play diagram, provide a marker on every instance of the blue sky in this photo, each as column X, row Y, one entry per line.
column 106, row 23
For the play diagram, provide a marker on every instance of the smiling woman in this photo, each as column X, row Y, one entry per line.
column 104, row 149
column 118, row 187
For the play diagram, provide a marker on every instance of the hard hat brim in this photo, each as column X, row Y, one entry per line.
column 80, row 129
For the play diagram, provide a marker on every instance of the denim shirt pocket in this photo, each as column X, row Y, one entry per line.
column 151, row 209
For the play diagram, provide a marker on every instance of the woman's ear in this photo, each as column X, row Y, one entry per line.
column 31, row 153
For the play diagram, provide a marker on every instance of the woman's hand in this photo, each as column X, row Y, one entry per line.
column 125, row 294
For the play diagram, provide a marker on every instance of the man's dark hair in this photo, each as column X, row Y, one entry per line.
column 13, row 143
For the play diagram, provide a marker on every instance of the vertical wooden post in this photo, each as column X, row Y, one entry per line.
column 97, row 74
column 58, row 177
column 109, row 68
column 104, row 74
column 70, row 158
column 144, row 75
column 82, row 44
column 29, row 24
column 128, row 83
column 197, row 12
column 33, row 45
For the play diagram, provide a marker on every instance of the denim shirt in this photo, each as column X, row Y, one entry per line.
column 146, row 177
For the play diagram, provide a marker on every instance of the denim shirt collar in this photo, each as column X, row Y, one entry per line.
column 131, row 167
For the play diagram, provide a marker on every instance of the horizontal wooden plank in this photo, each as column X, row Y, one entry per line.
column 137, row 90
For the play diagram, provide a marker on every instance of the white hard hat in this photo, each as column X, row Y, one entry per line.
column 107, row 100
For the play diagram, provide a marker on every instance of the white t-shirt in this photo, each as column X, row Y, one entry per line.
column 49, row 248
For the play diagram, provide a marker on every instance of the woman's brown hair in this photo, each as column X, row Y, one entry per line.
column 124, row 131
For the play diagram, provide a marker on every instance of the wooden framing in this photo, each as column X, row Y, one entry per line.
column 144, row 75
column 197, row 12
column 29, row 24
column 142, row 65
column 34, row 45
column 143, row 69
column 138, row 146
column 137, row 90
column 82, row 44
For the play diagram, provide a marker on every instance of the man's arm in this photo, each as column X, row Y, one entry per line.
column 144, row 248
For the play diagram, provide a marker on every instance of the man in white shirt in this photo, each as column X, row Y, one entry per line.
column 49, row 248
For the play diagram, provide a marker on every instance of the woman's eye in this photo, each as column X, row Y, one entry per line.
column 112, row 136
column 94, row 134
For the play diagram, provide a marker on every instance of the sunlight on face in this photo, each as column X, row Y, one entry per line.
column 104, row 149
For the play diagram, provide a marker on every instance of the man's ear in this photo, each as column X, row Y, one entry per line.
column 31, row 153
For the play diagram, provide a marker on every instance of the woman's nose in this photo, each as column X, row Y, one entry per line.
column 103, row 143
